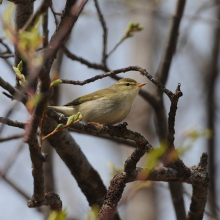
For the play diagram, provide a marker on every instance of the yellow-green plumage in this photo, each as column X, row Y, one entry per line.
column 107, row 106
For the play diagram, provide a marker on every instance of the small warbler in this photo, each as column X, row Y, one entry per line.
column 106, row 106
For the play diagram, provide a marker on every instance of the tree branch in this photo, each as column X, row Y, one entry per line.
column 17, row 95
column 12, row 123
column 105, row 32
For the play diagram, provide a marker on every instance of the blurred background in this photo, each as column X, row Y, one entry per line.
column 192, row 66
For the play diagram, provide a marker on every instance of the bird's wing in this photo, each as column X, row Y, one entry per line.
column 92, row 96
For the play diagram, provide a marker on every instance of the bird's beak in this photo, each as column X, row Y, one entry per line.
column 141, row 84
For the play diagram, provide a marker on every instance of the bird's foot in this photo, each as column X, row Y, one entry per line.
column 97, row 124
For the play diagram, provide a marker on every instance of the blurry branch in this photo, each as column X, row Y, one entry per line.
column 12, row 123
column 199, row 195
column 70, row 15
column 11, row 159
column 162, row 75
column 54, row 14
column 171, row 42
column 3, row 56
column 42, row 8
column 105, row 32
column 211, row 85
column 8, row 50
column 83, row 61
column 11, row 137
column 186, row 32
column 17, row 95
column 37, row 171
column 23, row 11
column 50, row 199
column 15, row 187
column 22, row 1
column 45, row 23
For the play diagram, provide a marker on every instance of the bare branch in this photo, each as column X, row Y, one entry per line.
column 37, row 171
column 50, row 199
column 83, row 61
column 200, row 191
column 8, row 50
column 17, row 95
column 196, row 175
column 12, row 123
column 42, row 8
column 172, row 114
column 105, row 32
column 171, row 42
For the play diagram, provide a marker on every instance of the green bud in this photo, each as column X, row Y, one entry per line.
column 56, row 82
column 131, row 28
column 20, row 66
column 73, row 118
column 59, row 126
column 77, row 116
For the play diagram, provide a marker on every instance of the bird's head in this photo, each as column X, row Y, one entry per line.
column 128, row 86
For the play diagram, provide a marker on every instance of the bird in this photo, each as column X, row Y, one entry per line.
column 106, row 106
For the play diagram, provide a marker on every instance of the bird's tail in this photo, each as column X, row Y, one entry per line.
column 66, row 110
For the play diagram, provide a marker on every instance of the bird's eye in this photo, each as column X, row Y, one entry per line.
column 127, row 84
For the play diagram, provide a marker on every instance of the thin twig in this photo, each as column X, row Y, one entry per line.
column 8, row 50
column 116, row 46
column 105, row 32
column 12, row 123
column 11, row 159
column 83, row 61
